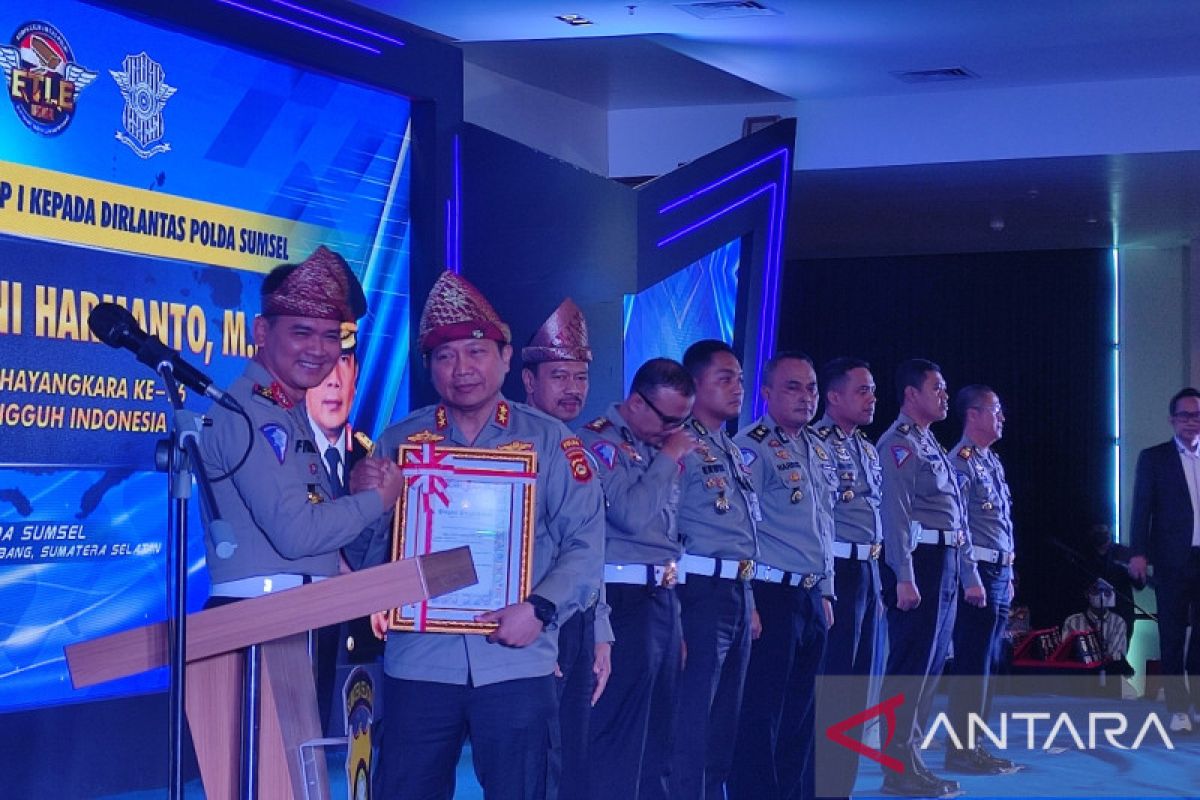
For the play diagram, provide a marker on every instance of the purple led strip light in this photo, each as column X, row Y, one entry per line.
column 454, row 215
column 293, row 23
column 338, row 21
column 770, row 292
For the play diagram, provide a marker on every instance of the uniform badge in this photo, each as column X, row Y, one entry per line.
column 795, row 476
column 628, row 449
column 312, row 468
column 757, row 433
column 823, row 432
column 424, row 437
column 774, row 443
column 820, row 451
column 842, row 453
column 781, row 453
column 987, row 505
column 699, row 428
column 715, row 483
column 516, row 446
column 305, row 446
column 707, row 455
column 502, row 415
column 963, row 480
column 275, row 394
column 278, row 439
column 904, row 428
column 797, row 495
column 581, row 470
column 847, row 496
column 965, row 452
column 900, row 454
column 721, row 503
column 441, row 418
column 314, row 496
column 606, row 452
column 748, row 456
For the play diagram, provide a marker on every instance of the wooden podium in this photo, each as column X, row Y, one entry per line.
column 213, row 677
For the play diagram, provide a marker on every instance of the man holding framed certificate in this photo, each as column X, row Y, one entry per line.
column 517, row 486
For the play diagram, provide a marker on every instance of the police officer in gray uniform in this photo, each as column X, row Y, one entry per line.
column 638, row 446
column 793, row 585
column 499, row 690
column 287, row 518
column 926, row 552
column 979, row 631
column 717, row 517
column 849, row 390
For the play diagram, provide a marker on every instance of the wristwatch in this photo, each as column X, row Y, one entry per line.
column 543, row 609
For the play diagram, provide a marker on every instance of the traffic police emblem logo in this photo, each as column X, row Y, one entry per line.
column 42, row 77
column 145, row 92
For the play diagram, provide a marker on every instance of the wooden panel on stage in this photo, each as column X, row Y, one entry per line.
column 288, row 710
column 272, row 616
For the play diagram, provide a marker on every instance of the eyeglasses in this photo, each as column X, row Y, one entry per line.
column 667, row 422
column 1186, row 416
column 996, row 410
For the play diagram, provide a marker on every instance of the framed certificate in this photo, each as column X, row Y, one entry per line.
column 456, row 496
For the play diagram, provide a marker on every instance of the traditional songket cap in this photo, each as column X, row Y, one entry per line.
column 457, row 310
column 320, row 287
column 562, row 337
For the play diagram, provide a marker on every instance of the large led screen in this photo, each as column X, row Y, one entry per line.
column 697, row 302
column 168, row 174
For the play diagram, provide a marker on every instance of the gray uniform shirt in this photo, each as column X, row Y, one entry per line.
column 718, row 509
column 279, row 502
column 989, row 503
column 567, row 551
column 919, row 491
column 859, row 489
column 795, row 482
column 641, row 493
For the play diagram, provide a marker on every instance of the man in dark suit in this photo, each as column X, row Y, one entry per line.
column 1165, row 532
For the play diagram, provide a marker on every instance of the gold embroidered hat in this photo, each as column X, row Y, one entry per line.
column 457, row 310
column 320, row 287
column 562, row 337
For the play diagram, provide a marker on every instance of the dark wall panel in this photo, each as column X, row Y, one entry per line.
column 1035, row 326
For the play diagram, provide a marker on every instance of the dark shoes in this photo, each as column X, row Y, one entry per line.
column 918, row 781
column 978, row 762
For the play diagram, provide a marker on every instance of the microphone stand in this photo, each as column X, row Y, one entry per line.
column 180, row 458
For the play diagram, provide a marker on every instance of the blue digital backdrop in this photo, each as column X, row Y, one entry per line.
column 697, row 302
column 190, row 141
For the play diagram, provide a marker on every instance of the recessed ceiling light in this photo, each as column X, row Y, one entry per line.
column 574, row 20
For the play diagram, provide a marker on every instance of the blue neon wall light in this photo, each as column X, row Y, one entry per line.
column 777, row 208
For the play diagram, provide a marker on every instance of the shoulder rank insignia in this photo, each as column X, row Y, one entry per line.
column 598, row 424
column 823, row 432
column 699, row 428
column 904, row 428
column 364, row 441
column 502, row 414
column 965, row 452
column 516, row 446
column 425, row 437
column 441, row 419
column 275, row 394
column 758, row 433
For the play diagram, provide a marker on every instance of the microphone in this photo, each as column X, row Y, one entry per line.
column 116, row 327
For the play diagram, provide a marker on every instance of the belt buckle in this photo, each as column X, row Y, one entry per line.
column 960, row 538
column 745, row 570
column 670, row 575
column 876, row 550
column 809, row 581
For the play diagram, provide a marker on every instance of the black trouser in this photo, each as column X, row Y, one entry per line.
column 850, row 650
column 426, row 724
column 632, row 723
column 917, row 642
column 1178, row 593
column 568, row 761
column 978, row 643
column 773, row 756
column 716, row 630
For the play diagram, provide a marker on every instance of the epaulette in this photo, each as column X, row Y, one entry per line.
column 965, row 452
column 599, row 424
column 904, row 428
column 275, row 394
column 759, row 433
column 698, row 427
column 860, row 433
column 823, row 432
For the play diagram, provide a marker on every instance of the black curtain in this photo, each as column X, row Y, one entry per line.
column 1036, row 327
